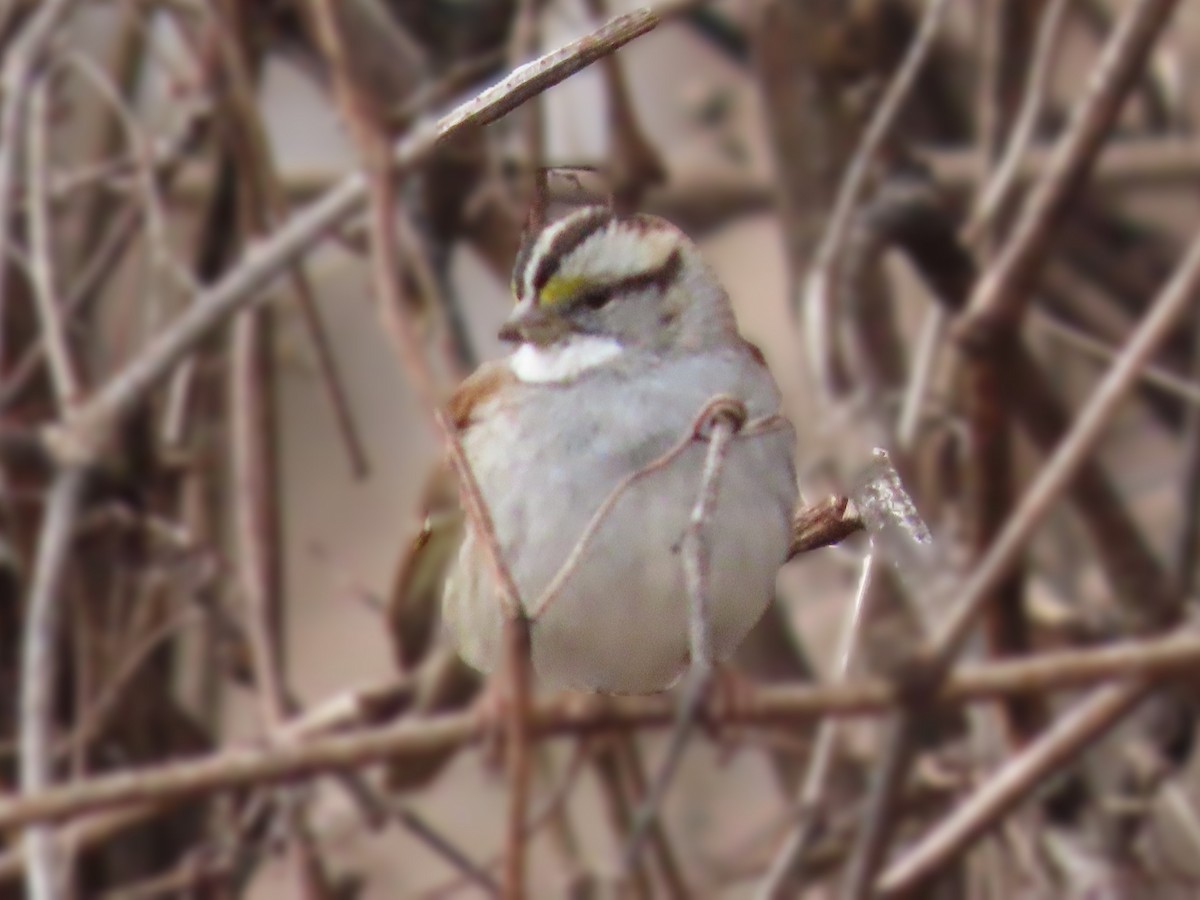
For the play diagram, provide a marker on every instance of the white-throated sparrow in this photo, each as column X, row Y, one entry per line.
column 624, row 336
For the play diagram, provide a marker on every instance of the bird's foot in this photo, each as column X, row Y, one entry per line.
column 729, row 696
column 496, row 710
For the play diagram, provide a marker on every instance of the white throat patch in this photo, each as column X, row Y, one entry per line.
column 564, row 361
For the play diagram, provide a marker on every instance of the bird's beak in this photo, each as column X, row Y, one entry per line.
column 533, row 324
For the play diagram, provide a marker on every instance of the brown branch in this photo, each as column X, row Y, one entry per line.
column 999, row 297
column 822, row 524
column 788, row 863
column 413, row 741
column 634, row 163
column 990, row 481
column 40, row 642
column 821, row 281
column 1062, row 467
column 41, row 260
column 921, row 226
column 312, row 224
column 1076, row 446
column 1003, row 292
column 1015, row 780
column 371, row 136
column 22, row 61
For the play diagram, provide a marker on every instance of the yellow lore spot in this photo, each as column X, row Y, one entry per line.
column 560, row 288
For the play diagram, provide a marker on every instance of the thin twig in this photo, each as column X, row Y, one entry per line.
column 315, row 222
column 899, row 535
column 784, row 867
column 248, row 141
column 1185, row 562
column 446, row 849
column 256, row 545
column 417, row 740
column 1000, row 289
column 118, row 235
column 787, row 865
column 146, row 169
column 45, row 875
column 818, row 300
column 41, row 249
column 1003, row 181
column 634, row 165
column 1170, row 305
column 1055, row 476
column 722, row 417
column 1185, row 389
column 522, row 45
column 998, row 294
column 371, row 137
column 1003, row 789
column 24, row 58
column 621, row 807
column 674, row 884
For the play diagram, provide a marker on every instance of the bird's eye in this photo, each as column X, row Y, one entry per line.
column 595, row 297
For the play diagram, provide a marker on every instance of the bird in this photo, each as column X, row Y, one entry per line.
column 583, row 442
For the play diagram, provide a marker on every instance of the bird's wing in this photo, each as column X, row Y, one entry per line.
column 417, row 587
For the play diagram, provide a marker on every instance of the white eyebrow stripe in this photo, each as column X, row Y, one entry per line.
column 594, row 245
column 618, row 251
column 540, row 248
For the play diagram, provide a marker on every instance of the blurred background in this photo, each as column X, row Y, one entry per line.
column 260, row 500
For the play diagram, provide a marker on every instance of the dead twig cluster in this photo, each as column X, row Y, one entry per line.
column 1001, row 436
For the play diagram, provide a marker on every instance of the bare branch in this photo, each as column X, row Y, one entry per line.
column 46, row 877
column 415, row 740
column 308, row 226
column 24, row 58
